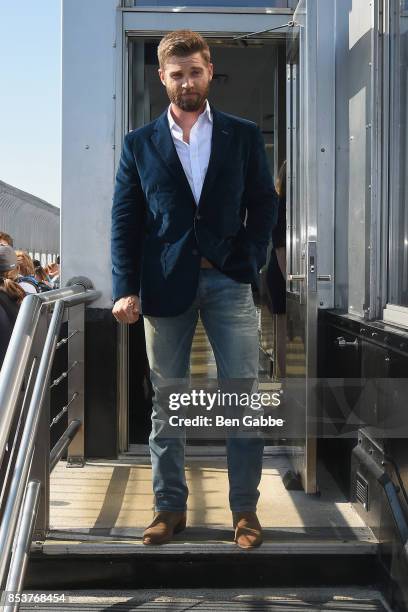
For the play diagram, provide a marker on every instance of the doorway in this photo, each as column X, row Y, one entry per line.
column 248, row 82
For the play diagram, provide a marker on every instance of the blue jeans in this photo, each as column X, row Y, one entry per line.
column 227, row 311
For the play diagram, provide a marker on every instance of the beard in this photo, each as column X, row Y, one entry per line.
column 189, row 103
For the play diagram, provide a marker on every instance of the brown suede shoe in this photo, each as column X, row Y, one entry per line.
column 164, row 525
column 248, row 530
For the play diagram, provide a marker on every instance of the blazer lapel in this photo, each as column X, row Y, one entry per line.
column 221, row 138
column 163, row 142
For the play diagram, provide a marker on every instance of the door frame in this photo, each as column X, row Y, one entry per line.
column 143, row 22
column 313, row 259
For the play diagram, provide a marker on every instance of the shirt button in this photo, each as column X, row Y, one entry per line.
column 195, row 252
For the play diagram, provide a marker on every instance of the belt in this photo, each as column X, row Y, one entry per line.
column 205, row 263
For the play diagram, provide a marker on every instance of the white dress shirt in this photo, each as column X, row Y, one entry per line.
column 194, row 156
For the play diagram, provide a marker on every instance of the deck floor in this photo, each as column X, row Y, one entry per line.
column 114, row 500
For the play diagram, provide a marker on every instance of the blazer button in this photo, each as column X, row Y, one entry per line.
column 199, row 217
column 195, row 252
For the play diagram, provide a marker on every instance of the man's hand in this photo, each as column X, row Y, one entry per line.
column 127, row 309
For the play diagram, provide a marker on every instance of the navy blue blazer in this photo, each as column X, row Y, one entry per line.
column 159, row 234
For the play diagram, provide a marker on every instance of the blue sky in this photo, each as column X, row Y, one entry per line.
column 30, row 99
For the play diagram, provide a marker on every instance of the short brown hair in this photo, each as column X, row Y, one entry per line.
column 6, row 238
column 182, row 43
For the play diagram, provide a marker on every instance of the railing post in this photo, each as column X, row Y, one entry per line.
column 123, row 386
column 40, row 467
column 76, row 383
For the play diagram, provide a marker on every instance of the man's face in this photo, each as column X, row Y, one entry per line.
column 187, row 81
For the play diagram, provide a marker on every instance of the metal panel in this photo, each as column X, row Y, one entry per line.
column 205, row 22
column 212, row 3
column 357, row 220
column 326, row 155
column 398, row 240
column 299, row 58
column 76, row 382
column 342, row 154
column 213, row 9
column 357, row 171
column 386, row 185
column 88, row 120
column 312, row 203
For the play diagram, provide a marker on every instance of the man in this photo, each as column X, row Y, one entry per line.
column 193, row 210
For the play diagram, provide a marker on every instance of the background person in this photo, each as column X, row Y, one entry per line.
column 276, row 275
column 53, row 272
column 6, row 239
column 41, row 277
column 26, row 273
column 11, row 296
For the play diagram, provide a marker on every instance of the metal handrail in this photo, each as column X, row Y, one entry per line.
column 23, row 498
column 63, row 442
column 15, row 361
column 19, row 559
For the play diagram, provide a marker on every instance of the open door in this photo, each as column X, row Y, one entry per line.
column 310, row 202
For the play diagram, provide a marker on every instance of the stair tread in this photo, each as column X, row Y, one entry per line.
column 191, row 547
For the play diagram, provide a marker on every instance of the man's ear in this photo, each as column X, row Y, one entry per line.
column 161, row 76
column 211, row 70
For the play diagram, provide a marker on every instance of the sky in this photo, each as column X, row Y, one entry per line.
column 30, row 96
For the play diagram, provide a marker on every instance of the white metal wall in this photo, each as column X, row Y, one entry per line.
column 93, row 120
column 355, row 125
column 88, row 126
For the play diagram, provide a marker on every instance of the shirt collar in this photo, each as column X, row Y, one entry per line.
column 205, row 114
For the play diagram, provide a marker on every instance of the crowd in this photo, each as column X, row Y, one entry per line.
column 20, row 275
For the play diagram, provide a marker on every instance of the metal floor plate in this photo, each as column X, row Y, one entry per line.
column 263, row 600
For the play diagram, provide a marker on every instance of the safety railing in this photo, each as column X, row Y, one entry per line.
column 26, row 460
